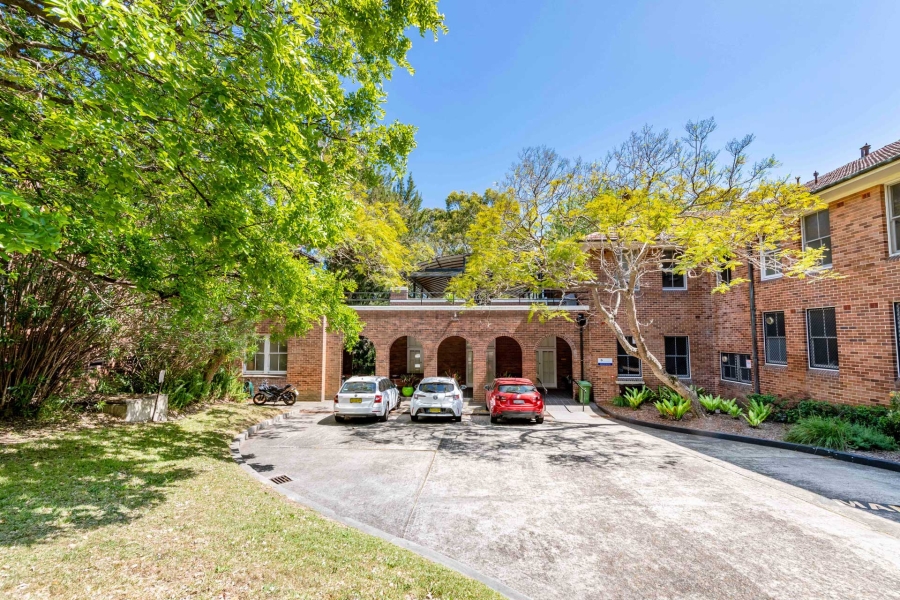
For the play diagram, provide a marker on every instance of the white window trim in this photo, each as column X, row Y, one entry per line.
column 809, row 364
column 734, row 381
column 893, row 244
column 267, row 355
column 688, row 338
column 640, row 375
column 896, row 340
column 821, row 267
column 676, row 289
column 762, row 268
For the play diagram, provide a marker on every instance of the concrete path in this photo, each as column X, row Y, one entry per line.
column 873, row 490
column 587, row 509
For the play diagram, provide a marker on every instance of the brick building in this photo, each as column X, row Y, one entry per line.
column 833, row 340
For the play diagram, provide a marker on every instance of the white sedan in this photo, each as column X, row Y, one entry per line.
column 366, row 397
column 437, row 397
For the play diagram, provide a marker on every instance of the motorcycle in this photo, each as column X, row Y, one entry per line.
column 271, row 393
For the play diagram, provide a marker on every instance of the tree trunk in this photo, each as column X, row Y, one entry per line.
column 641, row 351
column 215, row 361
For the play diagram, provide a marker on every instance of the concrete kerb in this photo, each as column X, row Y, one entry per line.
column 878, row 463
column 432, row 555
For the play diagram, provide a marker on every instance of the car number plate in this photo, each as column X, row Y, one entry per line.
column 434, row 410
column 518, row 402
column 355, row 400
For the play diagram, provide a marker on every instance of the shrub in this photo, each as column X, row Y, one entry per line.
column 731, row 408
column 757, row 412
column 869, row 438
column 820, row 431
column 709, row 402
column 619, row 401
column 890, row 424
column 634, row 397
column 764, row 398
column 837, row 434
column 673, row 408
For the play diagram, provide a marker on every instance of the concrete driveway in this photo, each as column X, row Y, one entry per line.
column 584, row 508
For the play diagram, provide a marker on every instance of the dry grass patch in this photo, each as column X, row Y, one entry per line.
column 161, row 511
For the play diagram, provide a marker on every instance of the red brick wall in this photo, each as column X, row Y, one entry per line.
column 508, row 357
column 451, row 358
column 862, row 298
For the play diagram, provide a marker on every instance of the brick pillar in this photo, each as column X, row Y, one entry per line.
column 529, row 362
column 429, row 357
column 479, row 370
column 382, row 359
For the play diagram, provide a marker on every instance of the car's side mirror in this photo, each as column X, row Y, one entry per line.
column 487, row 388
column 462, row 387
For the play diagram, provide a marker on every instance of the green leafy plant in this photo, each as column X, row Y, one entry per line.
column 634, row 397
column 619, row 401
column 757, row 412
column 710, row 403
column 837, row 434
column 731, row 408
column 673, row 408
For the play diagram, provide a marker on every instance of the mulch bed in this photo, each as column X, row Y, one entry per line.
column 724, row 424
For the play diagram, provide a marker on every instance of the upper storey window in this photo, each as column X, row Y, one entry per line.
column 670, row 279
column 771, row 265
column 817, row 234
column 893, row 209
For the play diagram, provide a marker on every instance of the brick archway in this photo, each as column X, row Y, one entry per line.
column 561, row 371
column 507, row 357
column 400, row 361
column 451, row 358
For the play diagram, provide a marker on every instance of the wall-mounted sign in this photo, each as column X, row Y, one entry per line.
column 604, row 362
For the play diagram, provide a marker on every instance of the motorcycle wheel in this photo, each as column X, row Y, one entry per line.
column 259, row 399
column 289, row 398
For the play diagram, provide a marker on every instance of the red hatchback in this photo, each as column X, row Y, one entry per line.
column 514, row 398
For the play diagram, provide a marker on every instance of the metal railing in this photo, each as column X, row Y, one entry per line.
column 368, row 298
column 424, row 298
column 579, row 386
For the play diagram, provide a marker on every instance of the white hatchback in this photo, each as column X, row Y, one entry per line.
column 437, row 397
column 370, row 396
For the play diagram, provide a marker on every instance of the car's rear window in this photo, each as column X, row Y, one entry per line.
column 436, row 388
column 517, row 389
column 358, row 387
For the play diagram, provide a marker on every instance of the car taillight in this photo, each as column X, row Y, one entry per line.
column 377, row 398
column 335, row 398
column 456, row 396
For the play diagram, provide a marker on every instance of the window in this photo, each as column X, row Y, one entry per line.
column 897, row 333
column 358, row 387
column 678, row 359
column 822, row 337
column 817, row 234
column 627, row 262
column 893, row 213
column 723, row 276
column 736, row 367
column 629, row 367
column 270, row 357
column 776, row 342
column 670, row 279
column 771, row 265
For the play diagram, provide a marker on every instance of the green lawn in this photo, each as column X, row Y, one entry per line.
column 161, row 511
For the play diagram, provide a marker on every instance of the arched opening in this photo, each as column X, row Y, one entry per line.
column 406, row 361
column 359, row 360
column 553, row 357
column 504, row 358
column 454, row 359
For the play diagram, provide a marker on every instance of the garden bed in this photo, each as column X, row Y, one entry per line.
column 721, row 423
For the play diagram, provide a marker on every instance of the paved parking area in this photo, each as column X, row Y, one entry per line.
column 584, row 508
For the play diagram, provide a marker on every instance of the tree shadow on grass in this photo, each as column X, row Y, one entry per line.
column 91, row 478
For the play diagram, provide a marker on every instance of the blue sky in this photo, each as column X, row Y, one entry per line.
column 813, row 80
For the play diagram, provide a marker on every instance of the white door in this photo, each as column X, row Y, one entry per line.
column 414, row 361
column 546, row 367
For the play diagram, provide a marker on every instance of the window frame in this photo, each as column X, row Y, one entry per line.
column 893, row 242
column 737, row 367
column 809, row 345
column 896, row 310
column 767, row 337
column 267, row 358
column 762, row 266
column 640, row 366
column 688, row 355
column 804, row 240
column 671, row 273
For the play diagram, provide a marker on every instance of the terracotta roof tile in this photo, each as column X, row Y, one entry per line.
column 889, row 153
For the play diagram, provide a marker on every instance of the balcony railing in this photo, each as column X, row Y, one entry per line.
column 425, row 299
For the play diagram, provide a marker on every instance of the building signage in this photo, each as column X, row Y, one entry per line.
column 604, row 362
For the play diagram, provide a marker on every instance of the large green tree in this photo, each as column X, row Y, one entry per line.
column 655, row 205
column 189, row 149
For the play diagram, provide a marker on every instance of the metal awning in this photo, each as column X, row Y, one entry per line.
column 434, row 275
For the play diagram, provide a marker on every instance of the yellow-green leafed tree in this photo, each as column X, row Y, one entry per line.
column 656, row 205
